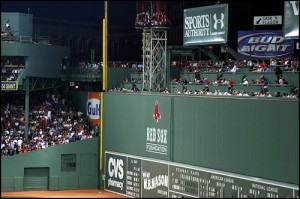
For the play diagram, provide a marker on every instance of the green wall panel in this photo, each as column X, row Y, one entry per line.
column 12, row 168
column 79, row 98
column 85, row 161
column 54, row 183
column 250, row 88
column 88, row 182
column 68, row 182
column 291, row 77
column 18, row 183
column 127, row 117
column 21, row 23
column 116, row 75
column 174, row 72
column 252, row 137
column 7, row 183
column 130, row 85
column 42, row 60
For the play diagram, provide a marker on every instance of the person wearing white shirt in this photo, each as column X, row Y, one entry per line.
column 233, row 70
column 249, row 63
column 245, row 81
column 49, row 114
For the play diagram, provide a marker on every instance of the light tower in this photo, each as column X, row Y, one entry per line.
column 152, row 19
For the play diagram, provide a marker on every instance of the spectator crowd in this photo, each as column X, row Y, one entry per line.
column 53, row 120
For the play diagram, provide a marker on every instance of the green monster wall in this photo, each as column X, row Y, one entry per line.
column 249, row 136
column 127, row 120
column 254, row 137
column 81, row 175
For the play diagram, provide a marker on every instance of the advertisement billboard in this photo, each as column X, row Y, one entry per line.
column 116, row 173
column 205, row 25
column 93, row 107
column 9, row 85
column 267, row 20
column 264, row 44
column 142, row 177
column 291, row 19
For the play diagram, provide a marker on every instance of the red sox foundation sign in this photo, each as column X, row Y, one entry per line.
column 157, row 137
column 156, row 113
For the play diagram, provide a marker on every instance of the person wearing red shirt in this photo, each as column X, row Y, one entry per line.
column 230, row 85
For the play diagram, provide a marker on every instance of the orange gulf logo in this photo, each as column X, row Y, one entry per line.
column 93, row 107
column 156, row 113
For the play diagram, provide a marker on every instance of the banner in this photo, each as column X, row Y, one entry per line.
column 141, row 177
column 267, row 20
column 291, row 19
column 9, row 85
column 116, row 173
column 205, row 25
column 264, row 44
column 93, row 107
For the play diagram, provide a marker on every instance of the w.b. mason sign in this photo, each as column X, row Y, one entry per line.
column 205, row 25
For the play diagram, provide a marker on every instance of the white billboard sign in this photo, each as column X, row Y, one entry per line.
column 291, row 19
column 267, row 20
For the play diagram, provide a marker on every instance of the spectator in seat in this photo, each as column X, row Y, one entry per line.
column 230, row 85
column 268, row 69
column 278, row 73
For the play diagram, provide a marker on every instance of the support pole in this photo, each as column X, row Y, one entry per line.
column 26, row 108
column 104, row 88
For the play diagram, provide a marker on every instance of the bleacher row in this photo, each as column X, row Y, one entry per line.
column 292, row 77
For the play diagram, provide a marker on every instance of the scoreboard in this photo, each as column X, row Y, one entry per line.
column 144, row 177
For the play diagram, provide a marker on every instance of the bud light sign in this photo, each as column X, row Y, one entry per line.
column 93, row 107
column 264, row 44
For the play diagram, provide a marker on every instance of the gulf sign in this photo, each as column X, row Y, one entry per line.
column 93, row 107
column 264, row 44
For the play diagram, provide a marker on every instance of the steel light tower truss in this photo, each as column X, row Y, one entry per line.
column 154, row 58
column 152, row 18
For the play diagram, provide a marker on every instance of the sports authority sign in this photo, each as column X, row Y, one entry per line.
column 267, row 20
column 205, row 25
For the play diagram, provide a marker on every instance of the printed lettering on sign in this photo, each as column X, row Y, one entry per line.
column 263, row 44
column 205, row 25
column 116, row 180
column 93, row 107
column 156, row 137
column 115, row 168
column 295, row 6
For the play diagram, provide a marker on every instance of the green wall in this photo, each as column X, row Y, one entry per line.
column 116, row 75
column 41, row 60
column 85, row 176
column 79, row 99
column 272, row 89
column 127, row 118
column 19, row 22
column 291, row 77
column 258, row 138
column 249, row 136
